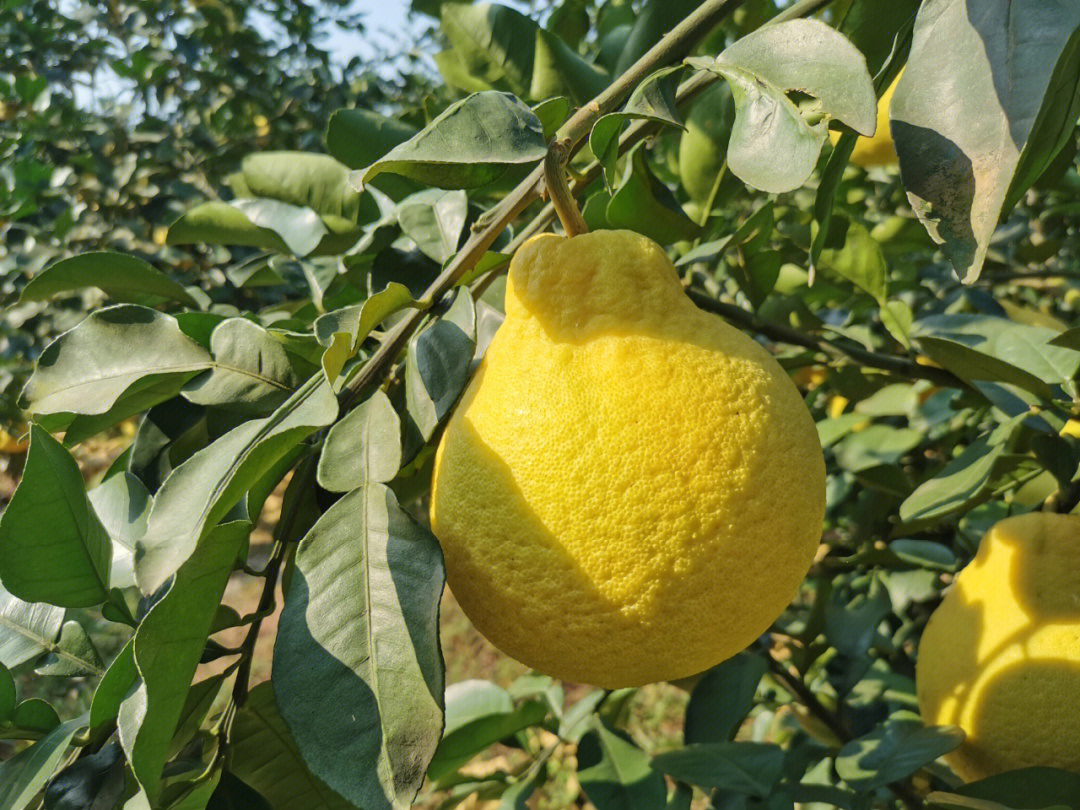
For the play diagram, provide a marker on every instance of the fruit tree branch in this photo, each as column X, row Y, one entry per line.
column 672, row 47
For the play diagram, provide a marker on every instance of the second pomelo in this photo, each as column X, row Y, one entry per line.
column 878, row 150
column 1000, row 657
column 630, row 489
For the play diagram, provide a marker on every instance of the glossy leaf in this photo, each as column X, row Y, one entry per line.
column 122, row 504
column 964, row 111
column 357, row 649
column 120, row 276
column 53, row 548
column 472, row 143
column 773, row 146
column 113, row 687
column 108, row 359
column 26, row 629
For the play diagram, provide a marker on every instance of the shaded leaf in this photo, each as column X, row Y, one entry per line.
column 94, row 782
column 22, row 776
column 434, row 219
column 722, row 698
column 893, row 751
column 167, row 648
column 964, row 111
column 742, row 767
column 53, row 548
column 357, row 649
column 118, row 275
column 74, row 654
column 266, row 757
column 202, row 490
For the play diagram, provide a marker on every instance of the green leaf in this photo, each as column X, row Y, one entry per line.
column 964, row 114
column 853, row 254
column 308, row 181
column 357, row 649
column 202, row 490
column 434, row 219
column 615, row 774
column 122, row 504
column 266, row 757
column 93, row 782
column 875, row 446
column 232, row 793
column 113, row 687
column 111, row 363
column 472, row 143
column 364, row 446
column 53, row 548
column 646, row 205
column 1025, row 787
column 552, row 113
column 742, row 767
column 956, row 486
column 35, row 714
column 722, row 698
column 894, row 751
column 652, row 100
column 438, row 365
column 168, row 646
column 118, row 275
column 26, row 629
column 359, row 320
column 7, row 693
column 924, row 554
column 219, row 223
column 492, row 43
column 22, row 776
column 358, row 137
column 300, row 227
column 251, row 371
column 479, row 714
column 773, row 147
column 558, row 69
column 73, row 656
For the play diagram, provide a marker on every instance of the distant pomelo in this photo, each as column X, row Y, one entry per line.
column 1000, row 657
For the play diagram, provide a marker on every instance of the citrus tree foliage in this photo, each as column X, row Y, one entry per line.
column 321, row 284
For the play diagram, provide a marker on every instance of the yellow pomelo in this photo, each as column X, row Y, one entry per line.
column 1001, row 656
column 630, row 489
column 878, row 150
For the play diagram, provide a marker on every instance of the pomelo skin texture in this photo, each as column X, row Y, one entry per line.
column 1000, row 657
column 630, row 490
column 878, row 150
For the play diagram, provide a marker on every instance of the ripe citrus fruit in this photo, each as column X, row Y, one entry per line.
column 630, row 489
column 878, row 150
column 1001, row 656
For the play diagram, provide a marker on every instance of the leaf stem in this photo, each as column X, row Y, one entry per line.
column 558, row 190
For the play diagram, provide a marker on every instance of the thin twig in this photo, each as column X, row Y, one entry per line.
column 785, row 334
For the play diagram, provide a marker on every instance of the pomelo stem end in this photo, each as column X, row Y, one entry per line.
column 558, row 189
